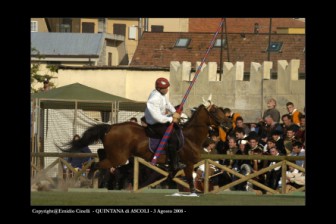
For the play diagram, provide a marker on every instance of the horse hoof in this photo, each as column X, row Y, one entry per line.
column 193, row 190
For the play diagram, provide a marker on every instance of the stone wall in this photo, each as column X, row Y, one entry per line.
column 249, row 98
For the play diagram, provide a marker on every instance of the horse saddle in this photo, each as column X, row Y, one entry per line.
column 154, row 138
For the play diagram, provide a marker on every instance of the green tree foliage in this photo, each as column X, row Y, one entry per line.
column 38, row 76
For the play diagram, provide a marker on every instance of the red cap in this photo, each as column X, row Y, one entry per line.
column 162, row 83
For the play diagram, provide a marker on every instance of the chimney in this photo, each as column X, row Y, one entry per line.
column 256, row 28
column 102, row 25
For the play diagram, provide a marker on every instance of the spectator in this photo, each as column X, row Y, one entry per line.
column 241, row 165
column 279, row 142
column 233, row 116
column 294, row 113
column 77, row 162
column 240, row 135
column 221, row 146
column 242, row 150
column 289, row 140
column 271, row 111
column 288, row 124
column 232, row 150
column 271, row 143
column 301, row 133
column 270, row 126
column 296, row 178
column 255, row 148
column 209, row 147
column 273, row 176
column 298, row 150
column 240, row 123
column 263, row 142
column 256, row 164
column 225, row 177
column 46, row 86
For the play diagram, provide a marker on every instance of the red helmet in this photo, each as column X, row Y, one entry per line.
column 162, row 83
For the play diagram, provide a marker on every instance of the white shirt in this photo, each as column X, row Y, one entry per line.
column 272, row 163
column 157, row 104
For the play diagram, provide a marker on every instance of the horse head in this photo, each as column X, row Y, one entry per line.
column 217, row 116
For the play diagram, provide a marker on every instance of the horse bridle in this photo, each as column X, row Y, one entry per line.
column 213, row 116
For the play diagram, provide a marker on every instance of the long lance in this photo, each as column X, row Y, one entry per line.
column 166, row 135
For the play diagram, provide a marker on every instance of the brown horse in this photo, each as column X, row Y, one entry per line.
column 123, row 140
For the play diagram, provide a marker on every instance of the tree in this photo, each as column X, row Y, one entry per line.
column 38, row 76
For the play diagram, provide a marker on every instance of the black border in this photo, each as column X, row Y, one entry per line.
column 315, row 106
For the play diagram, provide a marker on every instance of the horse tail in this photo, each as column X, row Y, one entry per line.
column 90, row 136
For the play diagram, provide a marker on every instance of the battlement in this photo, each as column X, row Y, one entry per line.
column 228, row 89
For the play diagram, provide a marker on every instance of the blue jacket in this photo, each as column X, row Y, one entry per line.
column 78, row 162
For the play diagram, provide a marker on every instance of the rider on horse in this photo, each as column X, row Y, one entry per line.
column 158, row 120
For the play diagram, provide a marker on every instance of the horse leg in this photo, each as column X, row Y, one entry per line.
column 104, row 164
column 188, row 174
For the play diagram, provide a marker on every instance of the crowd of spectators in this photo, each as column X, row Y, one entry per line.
column 266, row 137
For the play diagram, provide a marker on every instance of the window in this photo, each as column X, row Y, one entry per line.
column 218, row 43
column 256, row 28
column 132, row 31
column 246, row 76
column 65, row 26
column 119, row 29
column 33, row 26
column 87, row 27
column 157, row 29
column 275, row 47
column 302, row 76
column 182, row 42
column 101, row 25
column 109, row 59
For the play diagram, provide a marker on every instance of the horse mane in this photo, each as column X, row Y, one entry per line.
column 193, row 117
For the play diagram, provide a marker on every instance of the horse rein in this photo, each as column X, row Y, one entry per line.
column 211, row 114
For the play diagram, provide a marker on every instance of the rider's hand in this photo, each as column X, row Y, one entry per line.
column 176, row 115
column 176, row 120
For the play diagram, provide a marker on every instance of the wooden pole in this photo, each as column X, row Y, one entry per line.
column 206, row 176
column 283, row 177
column 60, row 173
column 136, row 174
column 74, row 128
column 245, row 178
column 296, row 166
column 32, row 136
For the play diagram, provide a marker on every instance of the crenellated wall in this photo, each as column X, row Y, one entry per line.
column 246, row 97
column 249, row 98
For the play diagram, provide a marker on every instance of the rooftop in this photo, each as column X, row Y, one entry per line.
column 158, row 49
